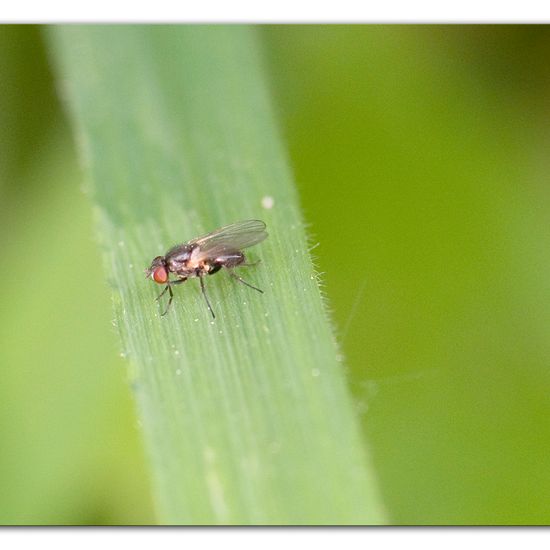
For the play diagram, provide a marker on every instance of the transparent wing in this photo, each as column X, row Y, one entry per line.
column 231, row 237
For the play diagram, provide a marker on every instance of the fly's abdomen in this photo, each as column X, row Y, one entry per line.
column 231, row 259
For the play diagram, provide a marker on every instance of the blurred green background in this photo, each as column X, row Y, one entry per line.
column 421, row 156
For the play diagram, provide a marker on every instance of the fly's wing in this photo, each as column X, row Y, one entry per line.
column 231, row 238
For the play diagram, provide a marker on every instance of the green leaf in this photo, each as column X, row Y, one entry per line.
column 247, row 418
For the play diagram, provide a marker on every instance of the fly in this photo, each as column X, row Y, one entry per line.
column 206, row 255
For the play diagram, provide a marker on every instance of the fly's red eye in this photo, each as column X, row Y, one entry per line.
column 159, row 275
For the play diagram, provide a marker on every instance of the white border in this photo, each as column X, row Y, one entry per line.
column 281, row 11
column 277, row 538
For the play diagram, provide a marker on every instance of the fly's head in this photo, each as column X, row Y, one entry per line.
column 158, row 270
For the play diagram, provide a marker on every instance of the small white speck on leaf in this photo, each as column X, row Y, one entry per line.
column 178, row 371
column 268, row 202
column 315, row 372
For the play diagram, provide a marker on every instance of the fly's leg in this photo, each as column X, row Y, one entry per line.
column 168, row 288
column 162, row 293
column 243, row 281
column 206, row 297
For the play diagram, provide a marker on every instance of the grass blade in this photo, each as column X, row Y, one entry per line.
column 247, row 418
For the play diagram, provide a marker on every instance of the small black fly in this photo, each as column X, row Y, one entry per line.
column 206, row 255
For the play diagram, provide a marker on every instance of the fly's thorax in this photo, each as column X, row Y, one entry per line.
column 195, row 260
column 178, row 257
